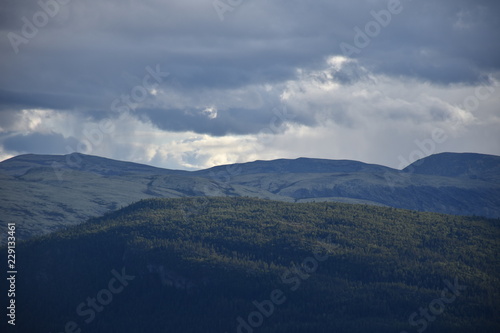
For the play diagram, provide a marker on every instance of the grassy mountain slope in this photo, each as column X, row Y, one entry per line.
column 40, row 202
column 391, row 188
column 198, row 264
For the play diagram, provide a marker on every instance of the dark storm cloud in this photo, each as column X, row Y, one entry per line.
column 439, row 41
column 52, row 143
column 77, row 60
column 46, row 100
column 234, row 121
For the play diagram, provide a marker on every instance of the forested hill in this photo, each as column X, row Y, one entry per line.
column 250, row 265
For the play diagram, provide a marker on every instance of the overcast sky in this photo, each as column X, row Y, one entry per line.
column 189, row 84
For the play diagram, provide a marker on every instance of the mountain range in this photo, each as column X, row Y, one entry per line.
column 44, row 193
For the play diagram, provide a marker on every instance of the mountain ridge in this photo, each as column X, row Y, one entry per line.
column 282, row 165
column 77, row 161
column 44, row 193
column 298, row 165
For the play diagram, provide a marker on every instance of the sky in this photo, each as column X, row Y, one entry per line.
column 189, row 84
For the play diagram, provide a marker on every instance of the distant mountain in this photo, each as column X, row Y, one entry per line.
column 47, row 193
column 44, row 193
column 198, row 265
column 466, row 165
column 60, row 164
column 299, row 165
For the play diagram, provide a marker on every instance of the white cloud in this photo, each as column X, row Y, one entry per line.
column 210, row 112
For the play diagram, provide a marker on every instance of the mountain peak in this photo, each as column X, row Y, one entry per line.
column 21, row 164
column 298, row 165
column 463, row 165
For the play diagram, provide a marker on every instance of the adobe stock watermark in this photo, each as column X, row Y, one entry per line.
column 481, row 93
column 293, row 278
column 222, row 7
column 223, row 177
column 266, row 135
column 140, row 92
column 363, row 37
column 30, row 28
column 94, row 137
column 436, row 307
column 97, row 304
column 425, row 148
column 428, row 146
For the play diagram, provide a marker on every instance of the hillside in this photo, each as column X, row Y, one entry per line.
column 467, row 165
column 63, row 164
column 44, row 193
column 214, row 265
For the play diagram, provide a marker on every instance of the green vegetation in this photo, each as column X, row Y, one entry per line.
column 200, row 263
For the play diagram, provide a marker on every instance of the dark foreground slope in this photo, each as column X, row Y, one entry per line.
column 250, row 265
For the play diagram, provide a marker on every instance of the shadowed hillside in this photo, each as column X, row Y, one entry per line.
column 245, row 265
